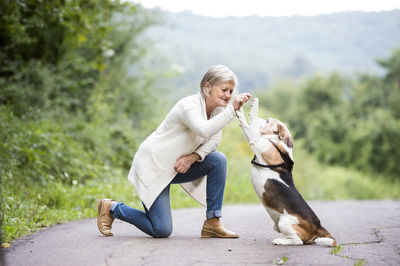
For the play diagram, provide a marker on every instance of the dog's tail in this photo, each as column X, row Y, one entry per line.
column 325, row 238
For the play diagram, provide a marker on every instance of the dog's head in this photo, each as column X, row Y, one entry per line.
column 276, row 132
column 279, row 135
column 274, row 126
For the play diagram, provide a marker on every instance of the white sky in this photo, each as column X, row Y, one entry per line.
column 222, row 8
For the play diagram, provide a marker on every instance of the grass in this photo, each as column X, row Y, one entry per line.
column 336, row 250
column 30, row 207
column 360, row 263
column 281, row 261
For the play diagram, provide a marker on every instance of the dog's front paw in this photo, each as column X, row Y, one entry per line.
column 254, row 102
column 240, row 113
column 286, row 241
column 253, row 109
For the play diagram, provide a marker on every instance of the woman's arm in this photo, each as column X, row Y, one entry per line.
column 193, row 117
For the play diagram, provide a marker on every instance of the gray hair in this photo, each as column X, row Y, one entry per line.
column 216, row 75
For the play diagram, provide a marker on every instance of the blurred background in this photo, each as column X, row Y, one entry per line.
column 82, row 83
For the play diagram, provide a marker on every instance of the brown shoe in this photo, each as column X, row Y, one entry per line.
column 219, row 231
column 104, row 219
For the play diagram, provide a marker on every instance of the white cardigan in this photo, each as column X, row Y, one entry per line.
column 185, row 130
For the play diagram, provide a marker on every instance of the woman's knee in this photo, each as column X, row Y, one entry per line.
column 163, row 232
column 219, row 158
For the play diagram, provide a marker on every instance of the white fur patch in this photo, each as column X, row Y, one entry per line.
column 285, row 227
column 287, row 241
column 259, row 177
column 326, row 241
column 258, row 180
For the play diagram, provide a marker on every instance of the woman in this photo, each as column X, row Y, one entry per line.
column 182, row 151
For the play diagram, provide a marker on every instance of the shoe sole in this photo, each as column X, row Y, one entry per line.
column 211, row 234
column 99, row 206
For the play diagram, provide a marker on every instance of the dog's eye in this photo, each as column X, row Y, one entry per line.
column 267, row 121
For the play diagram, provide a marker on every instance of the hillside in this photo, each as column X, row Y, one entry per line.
column 262, row 50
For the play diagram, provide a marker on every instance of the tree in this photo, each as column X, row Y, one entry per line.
column 52, row 52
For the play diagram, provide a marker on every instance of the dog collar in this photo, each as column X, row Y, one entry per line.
column 265, row 165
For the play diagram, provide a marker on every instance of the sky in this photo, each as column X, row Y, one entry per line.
column 223, row 8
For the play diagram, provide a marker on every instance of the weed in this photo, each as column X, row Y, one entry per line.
column 360, row 263
column 336, row 250
column 281, row 261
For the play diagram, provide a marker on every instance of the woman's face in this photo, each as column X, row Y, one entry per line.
column 221, row 94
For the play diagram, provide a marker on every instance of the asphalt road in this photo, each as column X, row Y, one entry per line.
column 367, row 231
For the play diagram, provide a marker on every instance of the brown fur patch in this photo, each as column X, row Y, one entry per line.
column 274, row 126
column 272, row 156
column 284, row 135
column 322, row 232
column 281, row 148
column 306, row 231
column 267, row 131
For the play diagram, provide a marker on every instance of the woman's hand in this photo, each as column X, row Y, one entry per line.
column 240, row 100
column 183, row 163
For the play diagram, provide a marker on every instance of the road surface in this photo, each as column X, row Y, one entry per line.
column 367, row 231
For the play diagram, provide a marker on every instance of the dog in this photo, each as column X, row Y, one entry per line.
column 272, row 180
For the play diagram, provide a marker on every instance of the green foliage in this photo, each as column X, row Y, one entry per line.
column 353, row 123
column 391, row 83
column 72, row 107
column 41, row 151
column 52, row 54
column 52, row 31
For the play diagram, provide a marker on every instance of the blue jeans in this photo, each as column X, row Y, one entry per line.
column 157, row 221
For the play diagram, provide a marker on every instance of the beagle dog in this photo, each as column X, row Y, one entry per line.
column 272, row 180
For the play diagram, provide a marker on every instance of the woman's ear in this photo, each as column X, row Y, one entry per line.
column 208, row 87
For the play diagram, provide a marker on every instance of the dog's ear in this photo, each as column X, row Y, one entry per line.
column 281, row 148
column 286, row 154
column 284, row 135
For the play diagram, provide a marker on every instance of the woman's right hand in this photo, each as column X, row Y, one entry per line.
column 183, row 163
column 240, row 100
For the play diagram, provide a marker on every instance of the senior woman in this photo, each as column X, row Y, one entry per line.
column 182, row 150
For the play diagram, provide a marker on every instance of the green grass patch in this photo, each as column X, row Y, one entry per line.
column 27, row 209
column 360, row 263
column 281, row 261
column 336, row 250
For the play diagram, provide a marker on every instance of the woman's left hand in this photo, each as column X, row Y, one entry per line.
column 183, row 163
column 240, row 100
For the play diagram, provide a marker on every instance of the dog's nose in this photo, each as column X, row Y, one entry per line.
column 267, row 121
